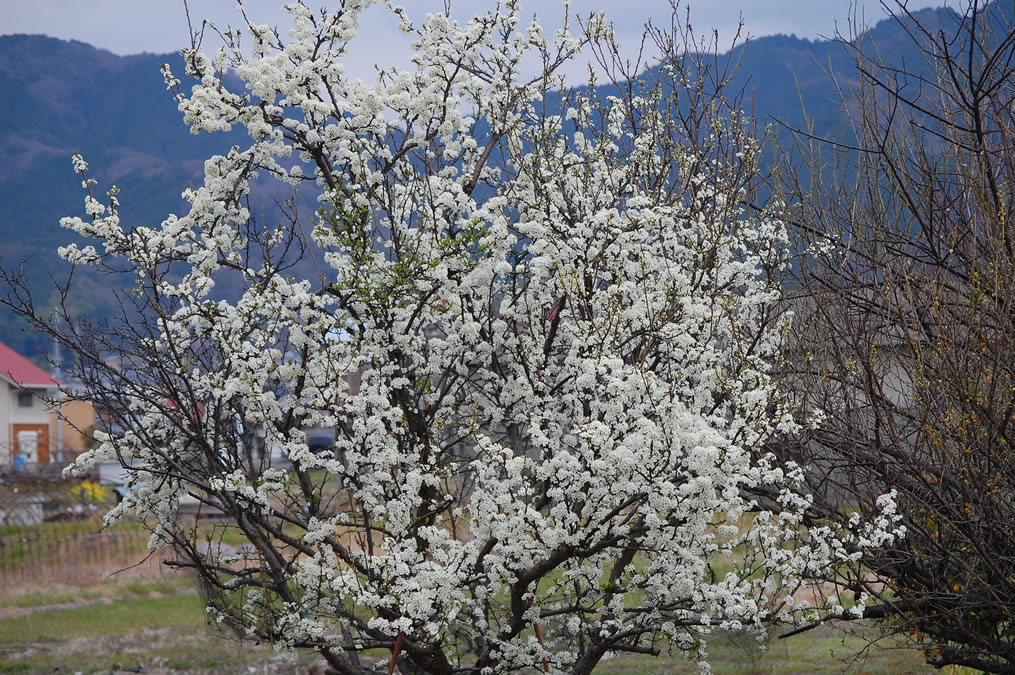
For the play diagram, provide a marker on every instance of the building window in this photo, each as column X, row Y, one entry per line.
column 25, row 399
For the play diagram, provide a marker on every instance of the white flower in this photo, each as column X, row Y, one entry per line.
column 554, row 349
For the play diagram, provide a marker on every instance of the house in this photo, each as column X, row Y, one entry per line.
column 28, row 395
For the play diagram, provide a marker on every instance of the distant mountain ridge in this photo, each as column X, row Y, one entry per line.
column 58, row 97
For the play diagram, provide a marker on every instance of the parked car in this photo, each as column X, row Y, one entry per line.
column 321, row 443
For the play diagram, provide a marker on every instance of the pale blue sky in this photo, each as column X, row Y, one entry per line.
column 132, row 26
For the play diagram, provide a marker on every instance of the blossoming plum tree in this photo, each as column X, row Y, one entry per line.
column 541, row 323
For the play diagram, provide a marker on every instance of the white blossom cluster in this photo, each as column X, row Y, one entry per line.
column 543, row 328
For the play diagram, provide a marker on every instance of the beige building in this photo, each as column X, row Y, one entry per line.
column 75, row 419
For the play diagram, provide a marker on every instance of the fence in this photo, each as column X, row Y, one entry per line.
column 51, row 532
column 15, row 469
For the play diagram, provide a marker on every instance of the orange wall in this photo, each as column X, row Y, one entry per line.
column 78, row 416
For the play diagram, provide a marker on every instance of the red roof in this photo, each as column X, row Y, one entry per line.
column 22, row 372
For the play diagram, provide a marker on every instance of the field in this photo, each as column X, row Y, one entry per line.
column 122, row 625
column 155, row 623
column 73, row 598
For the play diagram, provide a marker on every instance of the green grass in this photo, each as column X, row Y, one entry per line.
column 162, row 621
column 115, row 618
column 823, row 650
column 224, row 533
column 49, row 542
column 44, row 598
column 161, row 633
column 169, row 632
column 179, row 650
column 66, row 528
column 109, row 590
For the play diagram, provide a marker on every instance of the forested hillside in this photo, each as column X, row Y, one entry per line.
column 59, row 97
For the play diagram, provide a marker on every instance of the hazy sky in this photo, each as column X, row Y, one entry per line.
column 133, row 26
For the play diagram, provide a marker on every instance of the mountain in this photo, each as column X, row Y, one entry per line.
column 58, row 97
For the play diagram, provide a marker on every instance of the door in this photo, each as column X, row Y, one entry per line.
column 33, row 440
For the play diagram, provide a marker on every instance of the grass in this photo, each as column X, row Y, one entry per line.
column 50, row 542
column 160, row 624
column 164, row 633
column 43, row 599
column 90, row 524
column 823, row 650
column 227, row 533
column 115, row 618
column 106, row 592
column 152, row 650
